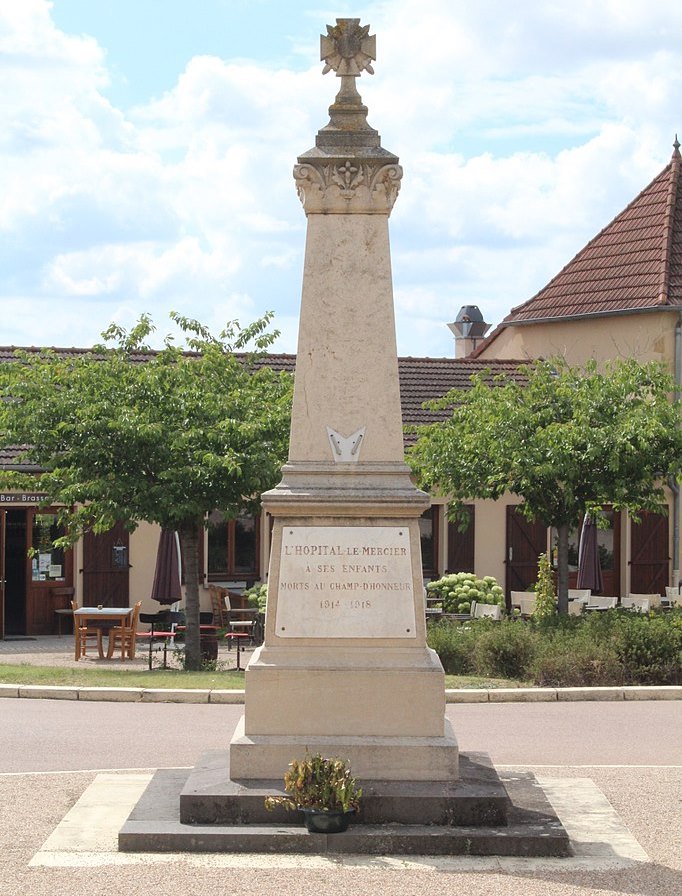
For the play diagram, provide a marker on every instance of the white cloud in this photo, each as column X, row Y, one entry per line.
column 522, row 130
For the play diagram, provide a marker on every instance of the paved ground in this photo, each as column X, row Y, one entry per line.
column 647, row 801
column 58, row 651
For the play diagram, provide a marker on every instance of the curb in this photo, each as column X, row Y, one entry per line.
column 462, row 695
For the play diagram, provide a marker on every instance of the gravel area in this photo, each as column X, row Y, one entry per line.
column 648, row 801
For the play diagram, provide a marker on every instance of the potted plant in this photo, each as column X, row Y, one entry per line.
column 323, row 789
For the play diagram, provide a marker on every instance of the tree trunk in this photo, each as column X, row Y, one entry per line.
column 189, row 547
column 562, row 569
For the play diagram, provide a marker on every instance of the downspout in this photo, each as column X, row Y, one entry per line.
column 672, row 483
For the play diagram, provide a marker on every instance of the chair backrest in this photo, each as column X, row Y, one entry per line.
column 575, row 607
column 217, row 606
column 74, row 605
column 635, row 602
column 491, row 611
column 525, row 601
column 582, row 594
column 606, row 602
column 673, row 595
column 135, row 617
column 654, row 599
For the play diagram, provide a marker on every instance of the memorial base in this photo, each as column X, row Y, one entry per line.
column 481, row 814
column 396, row 758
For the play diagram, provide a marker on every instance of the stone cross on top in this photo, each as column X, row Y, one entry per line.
column 348, row 49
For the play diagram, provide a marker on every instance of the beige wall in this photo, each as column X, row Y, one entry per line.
column 645, row 337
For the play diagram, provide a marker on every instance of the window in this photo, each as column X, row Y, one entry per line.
column 233, row 546
column 47, row 565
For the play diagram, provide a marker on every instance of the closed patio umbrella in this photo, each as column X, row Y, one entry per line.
column 589, row 570
column 166, row 587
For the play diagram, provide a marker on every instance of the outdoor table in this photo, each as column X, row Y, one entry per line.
column 83, row 615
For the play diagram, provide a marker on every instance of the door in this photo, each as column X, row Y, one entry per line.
column 105, row 568
column 13, row 561
column 649, row 554
column 525, row 542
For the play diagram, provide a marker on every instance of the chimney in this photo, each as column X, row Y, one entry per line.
column 469, row 329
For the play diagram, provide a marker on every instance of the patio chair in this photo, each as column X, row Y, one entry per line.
column 576, row 606
column 489, row 611
column 583, row 594
column 240, row 621
column 125, row 635
column 654, row 599
column 524, row 602
column 673, row 596
column 597, row 602
column 217, row 595
column 82, row 632
column 635, row 602
column 161, row 634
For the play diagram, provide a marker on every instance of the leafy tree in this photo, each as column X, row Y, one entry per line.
column 566, row 440
column 125, row 433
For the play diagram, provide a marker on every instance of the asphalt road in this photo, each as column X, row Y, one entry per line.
column 61, row 735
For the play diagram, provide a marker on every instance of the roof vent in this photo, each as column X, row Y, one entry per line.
column 469, row 328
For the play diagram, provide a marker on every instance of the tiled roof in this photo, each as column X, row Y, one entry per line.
column 421, row 379
column 10, row 459
column 634, row 263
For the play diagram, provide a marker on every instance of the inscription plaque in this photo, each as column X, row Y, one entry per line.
column 345, row 582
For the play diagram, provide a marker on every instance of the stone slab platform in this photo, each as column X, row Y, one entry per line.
column 477, row 797
column 533, row 829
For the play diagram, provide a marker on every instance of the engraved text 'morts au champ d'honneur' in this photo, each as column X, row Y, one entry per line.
column 337, row 582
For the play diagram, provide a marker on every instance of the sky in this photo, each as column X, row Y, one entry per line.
column 147, row 147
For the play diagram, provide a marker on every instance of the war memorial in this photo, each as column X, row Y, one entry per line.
column 344, row 669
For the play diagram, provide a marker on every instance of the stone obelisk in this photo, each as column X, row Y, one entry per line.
column 344, row 668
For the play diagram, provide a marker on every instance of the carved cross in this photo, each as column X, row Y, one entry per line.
column 348, row 49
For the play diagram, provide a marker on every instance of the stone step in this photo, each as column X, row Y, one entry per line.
column 532, row 830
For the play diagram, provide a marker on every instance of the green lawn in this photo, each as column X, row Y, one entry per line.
column 173, row 678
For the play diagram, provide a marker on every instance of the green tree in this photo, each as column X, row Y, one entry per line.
column 566, row 440
column 125, row 433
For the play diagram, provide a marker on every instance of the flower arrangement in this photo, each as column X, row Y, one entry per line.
column 458, row 590
column 315, row 782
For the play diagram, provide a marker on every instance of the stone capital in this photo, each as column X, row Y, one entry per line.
column 347, row 186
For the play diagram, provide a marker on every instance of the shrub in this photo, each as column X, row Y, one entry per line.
column 457, row 590
column 571, row 660
column 504, row 649
column 649, row 648
column 454, row 645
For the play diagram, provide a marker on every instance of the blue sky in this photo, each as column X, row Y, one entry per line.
column 146, row 149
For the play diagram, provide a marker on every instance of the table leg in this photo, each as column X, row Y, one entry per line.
column 76, row 640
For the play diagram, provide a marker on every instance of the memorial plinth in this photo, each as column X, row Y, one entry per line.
column 344, row 667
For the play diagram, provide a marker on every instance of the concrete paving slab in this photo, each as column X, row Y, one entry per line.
column 77, row 852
